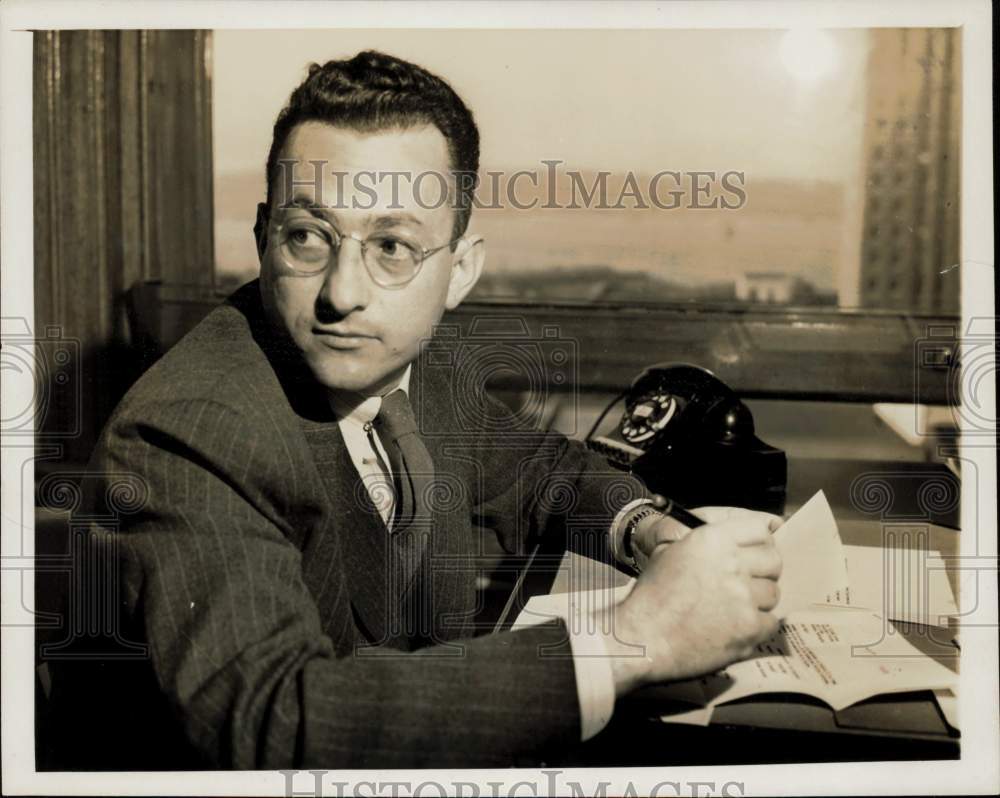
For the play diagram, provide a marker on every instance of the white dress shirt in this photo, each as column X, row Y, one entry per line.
column 595, row 685
column 355, row 415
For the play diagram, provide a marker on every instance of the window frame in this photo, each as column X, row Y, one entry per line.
column 761, row 352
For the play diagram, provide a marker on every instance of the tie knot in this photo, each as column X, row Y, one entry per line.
column 396, row 415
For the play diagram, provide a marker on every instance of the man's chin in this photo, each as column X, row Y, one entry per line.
column 350, row 372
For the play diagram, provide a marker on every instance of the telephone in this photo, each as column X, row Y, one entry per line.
column 688, row 436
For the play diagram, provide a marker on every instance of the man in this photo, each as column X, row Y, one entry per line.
column 302, row 568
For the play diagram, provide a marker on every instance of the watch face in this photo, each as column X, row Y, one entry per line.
column 647, row 417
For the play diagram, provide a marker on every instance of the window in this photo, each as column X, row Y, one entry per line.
column 691, row 166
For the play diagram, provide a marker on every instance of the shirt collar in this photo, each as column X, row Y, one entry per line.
column 362, row 409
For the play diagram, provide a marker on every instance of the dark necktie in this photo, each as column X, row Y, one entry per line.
column 411, row 464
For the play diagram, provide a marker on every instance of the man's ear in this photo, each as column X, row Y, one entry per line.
column 260, row 230
column 466, row 268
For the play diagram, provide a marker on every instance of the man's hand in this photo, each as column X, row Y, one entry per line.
column 658, row 529
column 701, row 602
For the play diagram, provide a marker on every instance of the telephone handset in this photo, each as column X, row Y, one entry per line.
column 687, row 435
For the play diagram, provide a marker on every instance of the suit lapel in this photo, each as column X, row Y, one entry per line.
column 356, row 531
column 411, row 544
column 440, row 582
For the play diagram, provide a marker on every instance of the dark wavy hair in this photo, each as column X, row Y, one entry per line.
column 373, row 92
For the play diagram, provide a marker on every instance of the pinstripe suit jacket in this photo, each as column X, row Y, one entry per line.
column 284, row 626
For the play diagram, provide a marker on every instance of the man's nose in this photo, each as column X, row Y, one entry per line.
column 347, row 287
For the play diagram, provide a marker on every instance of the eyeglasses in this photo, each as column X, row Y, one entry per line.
column 307, row 244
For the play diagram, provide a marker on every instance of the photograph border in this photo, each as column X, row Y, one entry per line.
column 976, row 771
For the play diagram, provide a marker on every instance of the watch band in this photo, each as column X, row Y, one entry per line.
column 617, row 528
column 633, row 522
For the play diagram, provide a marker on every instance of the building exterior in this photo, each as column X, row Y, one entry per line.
column 765, row 287
column 910, row 238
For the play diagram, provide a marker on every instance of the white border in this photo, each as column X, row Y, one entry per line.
column 457, row 14
column 978, row 769
column 17, row 303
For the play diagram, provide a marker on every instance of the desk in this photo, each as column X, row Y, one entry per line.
column 782, row 728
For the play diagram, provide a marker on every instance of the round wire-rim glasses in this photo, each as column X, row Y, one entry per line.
column 391, row 259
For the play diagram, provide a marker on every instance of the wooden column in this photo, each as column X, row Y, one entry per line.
column 123, row 193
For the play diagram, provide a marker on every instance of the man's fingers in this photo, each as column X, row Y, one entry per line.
column 745, row 530
column 669, row 530
column 761, row 561
column 713, row 515
column 769, row 624
column 765, row 593
column 716, row 515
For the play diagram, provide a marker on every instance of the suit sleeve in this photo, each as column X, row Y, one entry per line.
column 236, row 643
column 544, row 485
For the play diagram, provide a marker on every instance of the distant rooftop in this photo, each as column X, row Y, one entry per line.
column 766, row 275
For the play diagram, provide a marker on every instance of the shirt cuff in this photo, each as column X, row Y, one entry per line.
column 617, row 530
column 595, row 681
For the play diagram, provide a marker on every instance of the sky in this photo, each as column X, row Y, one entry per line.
column 640, row 100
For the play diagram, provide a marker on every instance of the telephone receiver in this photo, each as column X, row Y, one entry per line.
column 670, row 404
column 688, row 436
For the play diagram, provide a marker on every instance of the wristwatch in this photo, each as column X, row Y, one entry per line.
column 633, row 522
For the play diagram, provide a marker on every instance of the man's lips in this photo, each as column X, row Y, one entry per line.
column 341, row 338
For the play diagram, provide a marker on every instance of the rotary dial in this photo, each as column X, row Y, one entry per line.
column 647, row 417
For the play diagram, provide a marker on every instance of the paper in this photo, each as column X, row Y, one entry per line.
column 678, row 702
column 700, row 716
column 835, row 643
column 837, row 656
column 898, row 584
column 813, row 560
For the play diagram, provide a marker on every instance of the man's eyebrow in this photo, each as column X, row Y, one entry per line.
column 381, row 222
column 305, row 202
column 394, row 219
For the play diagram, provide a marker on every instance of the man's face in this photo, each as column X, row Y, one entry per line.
column 355, row 334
